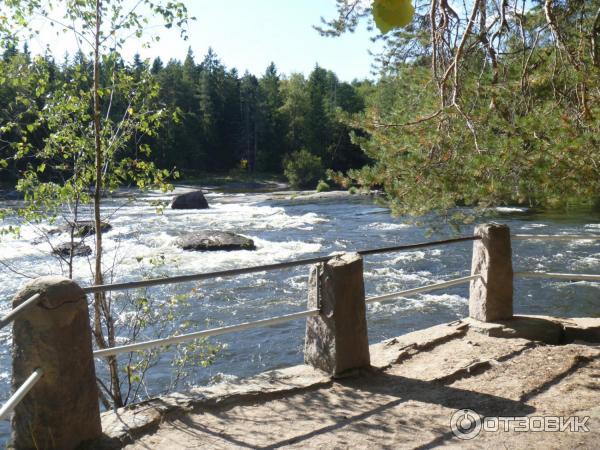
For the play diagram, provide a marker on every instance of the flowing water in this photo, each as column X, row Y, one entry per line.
column 141, row 244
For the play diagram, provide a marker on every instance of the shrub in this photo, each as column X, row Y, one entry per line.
column 322, row 186
column 303, row 169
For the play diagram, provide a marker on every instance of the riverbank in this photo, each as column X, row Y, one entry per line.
column 526, row 367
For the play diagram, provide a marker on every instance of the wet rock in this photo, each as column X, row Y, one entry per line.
column 11, row 195
column 215, row 240
column 79, row 249
column 191, row 200
column 82, row 228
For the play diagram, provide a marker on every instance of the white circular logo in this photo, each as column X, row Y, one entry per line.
column 466, row 424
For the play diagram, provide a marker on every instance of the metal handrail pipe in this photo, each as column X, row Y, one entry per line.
column 560, row 276
column 20, row 394
column 200, row 334
column 556, row 237
column 12, row 315
column 400, row 248
column 264, row 268
column 428, row 288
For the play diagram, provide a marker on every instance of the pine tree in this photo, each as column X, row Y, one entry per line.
column 271, row 133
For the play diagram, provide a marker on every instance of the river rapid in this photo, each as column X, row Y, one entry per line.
column 141, row 244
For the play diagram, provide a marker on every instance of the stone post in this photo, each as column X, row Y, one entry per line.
column 491, row 296
column 62, row 409
column 336, row 340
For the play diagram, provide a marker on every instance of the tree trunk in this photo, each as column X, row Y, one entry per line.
column 101, row 307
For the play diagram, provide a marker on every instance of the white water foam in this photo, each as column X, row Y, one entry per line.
column 419, row 302
column 386, row 226
column 532, row 226
column 140, row 234
column 508, row 209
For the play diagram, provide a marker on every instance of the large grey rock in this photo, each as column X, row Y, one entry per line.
column 62, row 410
column 215, row 240
column 79, row 249
column 191, row 200
column 491, row 295
column 336, row 340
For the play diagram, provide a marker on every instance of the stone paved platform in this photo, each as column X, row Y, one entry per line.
column 529, row 366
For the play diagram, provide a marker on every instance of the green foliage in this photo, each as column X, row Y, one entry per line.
column 322, row 186
column 303, row 169
column 56, row 151
column 71, row 134
column 435, row 164
column 86, row 128
column 143, row 314
column 207, row 118
column 504, row 114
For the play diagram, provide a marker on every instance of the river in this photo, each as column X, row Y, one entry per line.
column 141, row 244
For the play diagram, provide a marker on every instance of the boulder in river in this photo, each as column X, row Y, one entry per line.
column 215, row 240
column 82, row 228
column 87, row 227
column 191, row 200
column 79, row 249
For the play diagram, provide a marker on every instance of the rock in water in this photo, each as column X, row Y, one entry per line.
column 215, row 240
column 82, row 228
column 79, row 249
column 88, row 227
column 191, row 200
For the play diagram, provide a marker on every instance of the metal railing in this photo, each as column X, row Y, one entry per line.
column 555, row 275
column 419, row 290
column 559, row 276
column 20, row 394
column 13, row 314
column 206, row 333
column 265, row 322
column 555, row 237
column 266, row 267
column 230, row 273
column 140, row 346
column 113, row 351
column 310, row 313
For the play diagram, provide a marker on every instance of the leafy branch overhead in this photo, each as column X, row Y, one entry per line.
column 482, row 103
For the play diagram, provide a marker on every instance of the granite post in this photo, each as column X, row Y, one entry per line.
column 62, row 409
column 491, row 295
column 336, row 340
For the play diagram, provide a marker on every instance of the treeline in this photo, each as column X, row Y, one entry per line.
column 218, row 120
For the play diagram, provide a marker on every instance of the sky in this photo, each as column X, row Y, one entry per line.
column 249, row 34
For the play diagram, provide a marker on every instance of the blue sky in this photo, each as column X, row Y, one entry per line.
column 249, row 34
